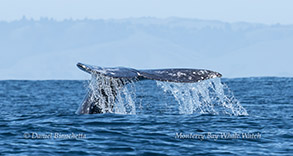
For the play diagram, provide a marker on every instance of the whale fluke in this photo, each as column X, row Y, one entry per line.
column 92, row 104
column 170, row 75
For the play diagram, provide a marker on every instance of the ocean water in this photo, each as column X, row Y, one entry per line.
column 39, row 118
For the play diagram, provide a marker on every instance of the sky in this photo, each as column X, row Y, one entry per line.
column 255, row 11
column 35, row 50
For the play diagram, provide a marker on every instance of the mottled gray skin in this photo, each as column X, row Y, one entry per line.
column 168, row 75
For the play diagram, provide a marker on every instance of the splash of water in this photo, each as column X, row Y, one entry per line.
column 205, row 97
column 117, row 95
column 111, row 95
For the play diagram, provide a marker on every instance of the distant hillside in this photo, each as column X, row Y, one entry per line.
column 49, row 49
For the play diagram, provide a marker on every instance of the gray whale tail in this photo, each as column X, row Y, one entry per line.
column 122, row 76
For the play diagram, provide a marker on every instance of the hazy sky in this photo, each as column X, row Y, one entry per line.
column 260, row 11
column 35, row 50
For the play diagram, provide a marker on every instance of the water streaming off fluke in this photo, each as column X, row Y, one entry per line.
column 118, row 95
column 109, row 95
column 205, row 97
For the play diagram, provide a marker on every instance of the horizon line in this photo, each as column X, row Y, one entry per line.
column 245, row 77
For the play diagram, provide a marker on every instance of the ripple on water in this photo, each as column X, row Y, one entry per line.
column 49, row 107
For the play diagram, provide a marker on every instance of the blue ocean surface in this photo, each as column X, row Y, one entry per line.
column 39, row 118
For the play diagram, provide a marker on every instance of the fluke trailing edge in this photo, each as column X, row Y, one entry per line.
column 119, row 76
column 170, row 75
